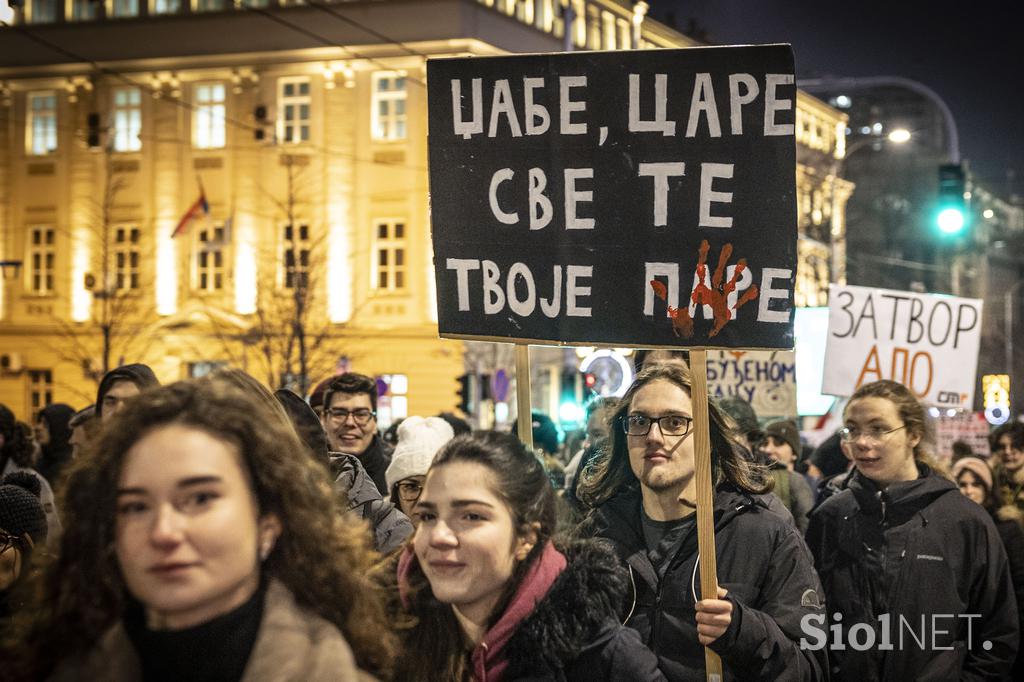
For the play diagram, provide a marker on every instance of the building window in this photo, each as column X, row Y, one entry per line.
column 122, row 8
column 209, row 116
column 388, row 102
column 127, row 119
column 393, row 401
column 389, row 262
column 40, row 390
column 42, row 122
column 212, row 5
column 126, row 258
column 82, row 10
column 42, row 258
column 44, row 11
column 296, row 256
column 165, row 7
column 293, row 106
column 210, row 259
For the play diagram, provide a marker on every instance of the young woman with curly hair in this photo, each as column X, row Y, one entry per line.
column 489, row 596
column 202, row 543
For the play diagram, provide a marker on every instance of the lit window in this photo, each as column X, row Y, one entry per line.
column 296, row 256
column 127, row 119
column 40, row 390
column 83, row 10
column 608, row 27
column 389, row 263
column 41, row 258
column 388, row 102
column 209, row 116
column 126, row 258
column 44, row 11
column 122, row 8
column 393, row 401
column 210, row 258
column 293, row 110
column 165, row 7
column 42, row 122
column 211, row 5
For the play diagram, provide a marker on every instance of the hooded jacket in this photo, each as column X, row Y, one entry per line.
column 139, row 374
column 926, row 560
column 561, row 624
column 764, row 565
column 57, row 453
column 391, row 528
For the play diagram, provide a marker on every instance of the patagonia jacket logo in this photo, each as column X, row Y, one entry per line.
column 810, row 599
column 930, row 557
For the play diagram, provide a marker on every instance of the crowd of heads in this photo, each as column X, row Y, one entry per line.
column 137, row 470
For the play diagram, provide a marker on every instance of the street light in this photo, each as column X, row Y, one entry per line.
column 897, row 136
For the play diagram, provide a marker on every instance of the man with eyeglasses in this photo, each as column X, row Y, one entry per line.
column 350, row 420
column 643, row 494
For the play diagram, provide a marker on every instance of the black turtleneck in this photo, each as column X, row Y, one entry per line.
column 216, row 650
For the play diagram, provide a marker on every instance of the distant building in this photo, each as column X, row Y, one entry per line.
column 892, row 239
column 306, row 127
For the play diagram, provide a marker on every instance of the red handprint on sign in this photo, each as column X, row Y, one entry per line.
column 716, row 296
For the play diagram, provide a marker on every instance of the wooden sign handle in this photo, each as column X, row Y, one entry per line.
column 705, row 495
column 523, row 408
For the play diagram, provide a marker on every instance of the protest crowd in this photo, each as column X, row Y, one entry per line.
column 214, row 529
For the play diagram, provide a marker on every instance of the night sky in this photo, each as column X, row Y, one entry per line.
column 964, row 51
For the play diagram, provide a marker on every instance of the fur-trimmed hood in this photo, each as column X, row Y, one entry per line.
column 576, row 620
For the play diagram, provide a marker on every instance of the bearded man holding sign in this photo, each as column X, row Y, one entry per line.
column 645, row 502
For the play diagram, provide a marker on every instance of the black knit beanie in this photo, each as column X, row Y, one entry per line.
column 20, row 509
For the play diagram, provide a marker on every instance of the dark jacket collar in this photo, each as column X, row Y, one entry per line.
column 351, row 478
column 903, row 498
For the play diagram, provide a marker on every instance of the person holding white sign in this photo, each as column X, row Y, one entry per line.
column 916, row 578
column 644, row 494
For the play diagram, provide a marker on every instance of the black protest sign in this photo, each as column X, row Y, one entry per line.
column 638, row 198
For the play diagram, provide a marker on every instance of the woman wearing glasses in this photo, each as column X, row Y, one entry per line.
column 419, row 440
column 202, row 543
column 916, row 579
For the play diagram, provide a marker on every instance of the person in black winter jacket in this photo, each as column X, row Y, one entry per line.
column 120, row 384
column 643, row 491
column 53, row 434
column 915, row 573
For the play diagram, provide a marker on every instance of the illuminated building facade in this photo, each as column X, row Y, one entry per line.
column 304, row 128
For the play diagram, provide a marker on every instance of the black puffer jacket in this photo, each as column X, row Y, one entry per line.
column 762, row 562
column 574, row 633
column 918, row 551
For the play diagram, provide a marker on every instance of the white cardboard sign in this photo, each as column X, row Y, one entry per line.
column 927, row 342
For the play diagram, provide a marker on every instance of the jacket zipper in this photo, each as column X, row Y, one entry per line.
column 632, row 584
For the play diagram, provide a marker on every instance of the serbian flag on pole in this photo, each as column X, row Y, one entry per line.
column 201, row 206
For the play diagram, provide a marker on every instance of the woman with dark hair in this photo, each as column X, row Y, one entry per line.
column 899, row 545
column 978, row 482
column 644, row 496
column 488, row 594
column 203, row 543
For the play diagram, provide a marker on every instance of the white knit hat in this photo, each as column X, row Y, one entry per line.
column 419, row 440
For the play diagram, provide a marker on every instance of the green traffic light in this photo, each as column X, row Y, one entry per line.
column 950, row 220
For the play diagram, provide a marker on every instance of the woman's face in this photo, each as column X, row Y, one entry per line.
column 883, row 449
column 466, row 540
column 188, row 528
column 407, row 492
column 971, row 486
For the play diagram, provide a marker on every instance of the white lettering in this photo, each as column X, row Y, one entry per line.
column 535, row 111
column 661, row 172
column 773, row 105
column 737, row 100
column 567, row 106
column 659, row 123
column 476, row 124
column 708, row 173
column 574, row 196
column 573, row 290
column 703, row 100
column 462, row 266
column 767, row 294
column 499, row 177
